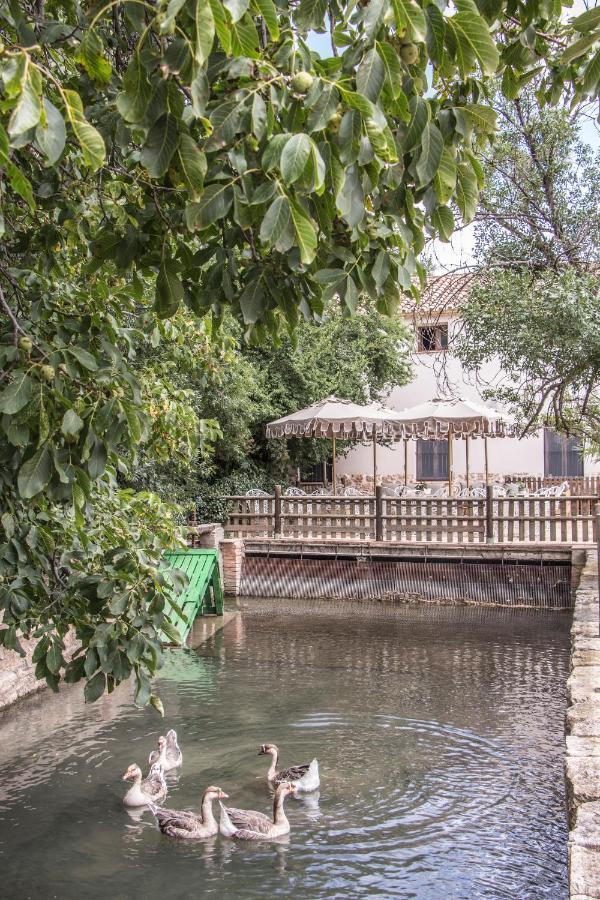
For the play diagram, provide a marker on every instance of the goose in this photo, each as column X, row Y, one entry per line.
column 247, row 825
column 189, row 826
column 151, row 788
column 304, row 777
column 168, row 753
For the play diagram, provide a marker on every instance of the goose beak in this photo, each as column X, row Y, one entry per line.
column 262, row 752
column 223, row 795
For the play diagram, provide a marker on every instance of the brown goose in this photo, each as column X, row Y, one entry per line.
column 304, row 777
column 148, row 790
column 247, row 825
column 188, row 826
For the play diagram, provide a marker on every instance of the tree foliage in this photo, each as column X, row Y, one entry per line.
column 201, row 154
column 534, row 305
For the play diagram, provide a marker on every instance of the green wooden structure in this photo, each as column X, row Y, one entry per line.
column 203, row 595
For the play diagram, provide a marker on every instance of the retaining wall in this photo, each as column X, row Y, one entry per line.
column 582, row 764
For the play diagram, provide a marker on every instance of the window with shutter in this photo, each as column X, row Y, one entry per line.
column 563, row 456
column 432, row 460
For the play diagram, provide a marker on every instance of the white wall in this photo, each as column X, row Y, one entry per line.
column 507, row 456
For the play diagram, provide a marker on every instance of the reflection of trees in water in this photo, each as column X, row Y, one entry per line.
column 432, row 657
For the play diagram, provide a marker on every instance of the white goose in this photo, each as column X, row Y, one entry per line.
column 147, row 790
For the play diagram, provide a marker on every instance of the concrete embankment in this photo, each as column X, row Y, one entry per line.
column 582, row 764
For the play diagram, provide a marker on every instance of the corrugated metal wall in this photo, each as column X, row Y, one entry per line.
column 544, row 585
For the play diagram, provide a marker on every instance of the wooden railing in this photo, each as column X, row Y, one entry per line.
column 586, row 485
column 446, row 519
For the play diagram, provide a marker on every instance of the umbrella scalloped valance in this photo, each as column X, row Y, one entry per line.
column 336, row 418
column 439, row 419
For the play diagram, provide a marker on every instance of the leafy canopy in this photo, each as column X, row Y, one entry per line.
column 169, row 153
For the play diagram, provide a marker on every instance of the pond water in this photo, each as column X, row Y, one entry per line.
column 439, row 733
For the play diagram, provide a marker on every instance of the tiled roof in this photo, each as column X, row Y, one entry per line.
column 444, row 293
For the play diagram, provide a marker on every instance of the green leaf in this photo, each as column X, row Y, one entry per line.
column 91, row 56
column 587, row 21
column 133, row 100
column 35, row 473
column 305, row 234
column 84, row 357
column 54, row 658
column 51, row 133
column 445, row 178
column 221, row 25
column 373, row 17
column 294, row 157
column 192, row 163
column 310, row 14
column 420, row 117
column 90, row 140
column 276, row 220
column 17, row 395
column 169, row 292
column 324, row 108
column 28, row 110
column 350, row 201
column 244, row 38
column 592, row 75
column 469, row 40
column 467, row 194
column 94, row 688
column 410, row 16
column 157, row 703
column 268, row 11
column 20, row 184
column 161, row 144
column 578, row 48
column 252, row 301
column 432, row 145
column 350, row 294
column 225, row 120
column 204, row 31
column 349, row 136
column 392, row 67
column 259, row 116
column 236, row 8
column 214, row 205
column 71, row 423
column 370, row 75
column 443, row 222
column 436, row 31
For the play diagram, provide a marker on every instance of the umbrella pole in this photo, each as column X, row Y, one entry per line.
column 467, row 460
column 405, row 462
column 487, row 473
column 374, row 460
column 449, row 463
column 334, row 469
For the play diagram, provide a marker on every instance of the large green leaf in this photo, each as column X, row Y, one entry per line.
column 161, row 143
column 392, row 67
column 276, row 220
column 252, row 301
column 35, row 473
column 17, row 395
column 94, row 688
column 350, row 200
column 214, row 205
column 192, row 163
column 91, row 56
column 169, row 292
column 221, row 25
column 443, row 222
column 28, row 110
column 578, row 48
column 370, row 75
column 323, row 110
column 310, row 14
column 445, row 178
column 137, row 90
column 420, row 117
column 373, row 17
column 51, row 133
column 204, row 31
column 244, row 38
column 587, row 21
column 432, row 145
column 467, row 194
column 294, row 157
column 306, row 235
column 469, row 40
column 20, row 184
column 410, row 16
column 268, row 11
column 90, row 140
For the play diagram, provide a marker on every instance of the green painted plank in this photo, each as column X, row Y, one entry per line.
column 202, row 570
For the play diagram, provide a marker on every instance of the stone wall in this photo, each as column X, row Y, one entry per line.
column 582, row 764
column 17, row 673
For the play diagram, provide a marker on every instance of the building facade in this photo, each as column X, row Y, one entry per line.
column 436, row 323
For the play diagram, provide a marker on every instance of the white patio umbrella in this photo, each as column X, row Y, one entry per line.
column 440, row 419
column 336, row 418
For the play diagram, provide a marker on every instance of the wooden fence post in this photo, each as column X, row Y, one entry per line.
column 489, row 514
column 277, row 516
column 378, row 512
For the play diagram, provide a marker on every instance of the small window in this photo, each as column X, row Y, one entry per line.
column 563, row 456
column 432, row 460
column 432, row 338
